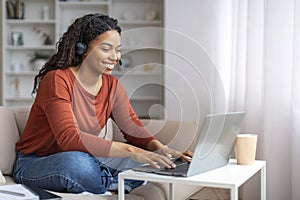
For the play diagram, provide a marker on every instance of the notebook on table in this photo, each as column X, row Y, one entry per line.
column 214, row 147
column 17, row 192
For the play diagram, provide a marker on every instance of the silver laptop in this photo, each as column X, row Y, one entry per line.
column 214, row 147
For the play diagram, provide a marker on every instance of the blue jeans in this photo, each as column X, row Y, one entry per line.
column 73, row 172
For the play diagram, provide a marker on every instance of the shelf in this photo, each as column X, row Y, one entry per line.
column 76, row 4
column 19, row 99
column 140, row 22
column 22, row 73
column 29, row 21
column 25, row 47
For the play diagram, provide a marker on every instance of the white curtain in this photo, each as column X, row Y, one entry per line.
column 265, row 82
column 255, row 45
column 295, row 118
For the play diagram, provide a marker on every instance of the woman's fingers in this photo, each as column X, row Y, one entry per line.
column 187, row 156
column 162, row 158
column 188, row 153
column 158, row 161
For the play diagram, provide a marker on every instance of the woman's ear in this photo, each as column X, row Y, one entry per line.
column 84, row 56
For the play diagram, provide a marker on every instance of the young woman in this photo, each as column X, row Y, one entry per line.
column 60, row 149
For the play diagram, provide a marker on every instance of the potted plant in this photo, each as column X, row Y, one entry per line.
column 38, row 60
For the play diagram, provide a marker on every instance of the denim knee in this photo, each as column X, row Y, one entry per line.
column 84, row 170
column 67, row 171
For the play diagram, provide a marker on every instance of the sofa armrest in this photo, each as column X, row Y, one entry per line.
column 9, row 136
column 21, row 116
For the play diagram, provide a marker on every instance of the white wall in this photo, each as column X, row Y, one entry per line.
column 198, row 41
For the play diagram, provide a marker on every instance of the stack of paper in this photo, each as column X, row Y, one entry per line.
column 17, row 192
column 2, row 179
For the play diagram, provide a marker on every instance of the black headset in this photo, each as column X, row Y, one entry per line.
column 81, row 47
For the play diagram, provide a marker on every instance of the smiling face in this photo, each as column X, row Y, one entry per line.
column 104, row 53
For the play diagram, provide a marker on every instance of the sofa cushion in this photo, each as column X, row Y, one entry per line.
column 179, row 135
column 9, row 136
column 21, row 116
column 85, row 196
column 108, row 128
column 70, row 196
column 152, row 190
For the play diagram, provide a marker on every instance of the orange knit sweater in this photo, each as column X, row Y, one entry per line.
column 65, row 117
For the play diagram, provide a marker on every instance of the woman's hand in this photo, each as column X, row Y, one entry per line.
column 121, row 150
column 157, row 146
column 187, row 155
column 160, row 157
column 156, row 160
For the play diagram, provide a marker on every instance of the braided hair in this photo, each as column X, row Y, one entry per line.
column 84, row 29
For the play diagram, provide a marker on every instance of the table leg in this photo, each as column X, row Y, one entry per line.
column 121, row 188
column 234, row 193
column 171, row 191
column 263, row 178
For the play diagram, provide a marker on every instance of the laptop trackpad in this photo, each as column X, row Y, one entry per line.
column 180, row 170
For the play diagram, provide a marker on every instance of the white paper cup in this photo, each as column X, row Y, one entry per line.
column 245, row 148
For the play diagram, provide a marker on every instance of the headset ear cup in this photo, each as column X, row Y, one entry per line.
column 80, row 48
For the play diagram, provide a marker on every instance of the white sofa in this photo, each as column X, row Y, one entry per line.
column 174, row 134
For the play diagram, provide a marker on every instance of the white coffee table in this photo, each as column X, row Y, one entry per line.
column 231, row 176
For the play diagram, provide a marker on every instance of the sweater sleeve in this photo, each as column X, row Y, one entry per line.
column 126, row 119
column 57, row 107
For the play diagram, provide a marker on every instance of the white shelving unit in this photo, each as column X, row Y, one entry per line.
column 17, row 73
column 142, row 38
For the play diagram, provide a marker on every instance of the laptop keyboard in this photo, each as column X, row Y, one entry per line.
column 178, row 162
